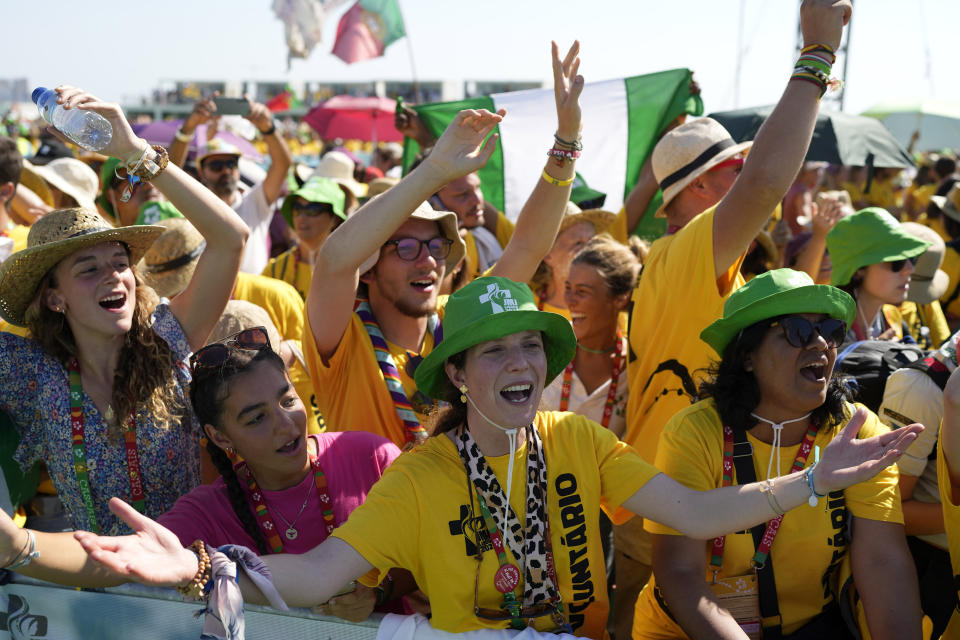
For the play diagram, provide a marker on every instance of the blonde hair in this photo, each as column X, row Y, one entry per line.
column 618, row 265
column 145, row 376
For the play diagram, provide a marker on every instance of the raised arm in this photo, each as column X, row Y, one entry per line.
column 824, row 214
column 950, row 432
column 459, row 151
column 199, row 307
column 203, row 112
column 280, row 156
column 540, row 217
column 779, row 147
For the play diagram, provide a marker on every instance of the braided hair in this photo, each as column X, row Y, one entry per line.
column 209, row 389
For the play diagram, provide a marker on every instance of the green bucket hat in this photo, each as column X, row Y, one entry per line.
column 776, row 293
column 867, row 237
column 486, row 309
column 106, row 177
column 316, row 189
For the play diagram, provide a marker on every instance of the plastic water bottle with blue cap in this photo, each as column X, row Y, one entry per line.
column 88, row 129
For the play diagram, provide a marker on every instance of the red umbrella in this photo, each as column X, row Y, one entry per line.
column 354, row 118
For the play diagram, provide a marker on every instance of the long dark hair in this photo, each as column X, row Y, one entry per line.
column 455, row 413
column 737, row 394
column 207, row 392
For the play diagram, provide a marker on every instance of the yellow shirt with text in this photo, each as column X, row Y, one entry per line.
column 422, row 515
column 810, row 543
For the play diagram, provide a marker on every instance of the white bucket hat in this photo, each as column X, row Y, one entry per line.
column 73, row 177
column 338, row 166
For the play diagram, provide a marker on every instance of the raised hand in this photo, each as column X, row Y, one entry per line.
column 259, row 115
column 203, row 112
column 123, row 143
column 567, row 86
column 822, row 21
column 461, row 149
column 152, row 555
column 847, row 460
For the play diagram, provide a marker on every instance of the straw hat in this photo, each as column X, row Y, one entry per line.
column 448, row 227
column 688, row 152
column 599, row 218
column 168, row 265
column 54, row 237
column 73, row 177
column 378, row 186
column 239, row 315
column 928, row 281
column 338, row 166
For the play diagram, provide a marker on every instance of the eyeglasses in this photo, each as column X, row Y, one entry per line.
column 312, row 209
column 214, row 355
column 524, row 613
column 409, row 248
column 897, row 266
column 219, row 165
column 800, row 332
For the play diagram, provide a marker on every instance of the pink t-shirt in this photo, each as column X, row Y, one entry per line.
column 352, row 462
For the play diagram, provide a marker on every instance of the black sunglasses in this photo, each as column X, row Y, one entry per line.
column 897, row 265
column 220, row 165
column 312, row 208
column 215, row 354
column 800, row 332
column 409, row 248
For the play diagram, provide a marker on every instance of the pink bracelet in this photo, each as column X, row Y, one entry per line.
column 564, row 153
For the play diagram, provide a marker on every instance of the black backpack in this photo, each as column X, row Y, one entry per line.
column 867, row 364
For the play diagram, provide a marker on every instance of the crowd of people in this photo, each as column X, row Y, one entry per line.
column 403, row 401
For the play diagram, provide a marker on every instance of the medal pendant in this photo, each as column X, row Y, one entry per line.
column 812, row 501
column 507, row 578
column 291, row 533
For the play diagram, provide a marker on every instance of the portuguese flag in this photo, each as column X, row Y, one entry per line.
column 369, row 27
column 622, row 121
column 284, row 101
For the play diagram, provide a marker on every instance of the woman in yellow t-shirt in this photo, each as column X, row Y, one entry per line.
column 771, row 405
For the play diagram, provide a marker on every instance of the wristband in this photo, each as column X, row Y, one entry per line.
column 182, row 136
column 271, row 130
column 556, row 181
column 814, row 496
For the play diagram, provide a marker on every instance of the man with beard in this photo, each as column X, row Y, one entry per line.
column 218, row 168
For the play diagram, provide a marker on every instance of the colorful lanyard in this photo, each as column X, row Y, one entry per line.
column 137, row 498
column 414, row 431
column 269, row 529
column 618, row 360
column 763, row 550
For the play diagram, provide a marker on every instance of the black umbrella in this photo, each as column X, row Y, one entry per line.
column 838, row 138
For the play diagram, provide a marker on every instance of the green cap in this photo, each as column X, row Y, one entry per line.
column 316, row 189
column 867, row 237
column 580, row 192
column 154, row 211
column 106, row 177
column 773, row 294
column 486, row 309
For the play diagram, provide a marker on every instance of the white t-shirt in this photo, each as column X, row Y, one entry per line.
column 589, row 405
column 253, row 208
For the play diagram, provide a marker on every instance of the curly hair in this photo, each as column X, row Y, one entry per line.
column 737, row 394
column 210, row 387
column 144, row 379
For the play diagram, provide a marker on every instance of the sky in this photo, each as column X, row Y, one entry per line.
column 121, row 50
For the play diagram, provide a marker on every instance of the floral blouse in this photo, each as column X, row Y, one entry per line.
column 34, row 390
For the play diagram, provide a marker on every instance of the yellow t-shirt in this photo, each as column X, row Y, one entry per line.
column 921, row 196
column 950, row 300
column 281, row 302
column 936, row 224
column 881, row 195
column 504, row 232
column 951, row 520
column 618, row 228
column 18, row 233
column 292, row 269
column 810, row 543
column 418, row 517
column 925, row 315
column 350, row 391
column 677, row 296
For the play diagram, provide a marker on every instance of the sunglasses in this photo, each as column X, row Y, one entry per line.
column 409, row 248
column 215, row 354
column 219, row 165
column 524, row 613
column 897, row 266
column 800, row 332
column 312, row 209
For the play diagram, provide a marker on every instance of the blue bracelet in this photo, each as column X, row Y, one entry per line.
column 814, row 496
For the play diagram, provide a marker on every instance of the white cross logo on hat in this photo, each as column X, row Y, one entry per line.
column 493, row 292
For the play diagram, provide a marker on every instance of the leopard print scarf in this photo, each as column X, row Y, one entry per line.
column 528, row 547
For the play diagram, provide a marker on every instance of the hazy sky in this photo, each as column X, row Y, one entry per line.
column 121, row 50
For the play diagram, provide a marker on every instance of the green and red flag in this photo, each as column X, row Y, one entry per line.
column 284, row 101
column 367, row 29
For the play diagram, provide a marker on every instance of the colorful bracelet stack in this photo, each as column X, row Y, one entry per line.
column 562, row 152
column 814, row 66
column 197, row 587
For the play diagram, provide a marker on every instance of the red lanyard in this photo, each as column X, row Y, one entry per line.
column 616, row 368
column 760, row 557
column 267, row 526
column 137, row 497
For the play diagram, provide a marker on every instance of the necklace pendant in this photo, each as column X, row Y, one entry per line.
column 291, row 533
column 507, row 578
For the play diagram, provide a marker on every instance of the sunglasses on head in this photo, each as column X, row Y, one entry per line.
column 215, row 354
column 312, row 208
column 220, row 165
column 897, row 265
column 409, row 248
column 800, row 332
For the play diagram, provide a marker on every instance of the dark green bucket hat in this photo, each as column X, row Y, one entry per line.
column 316, row 189
column 776, row 293
column 106, row 177
column 486, row 309
column 867, row 237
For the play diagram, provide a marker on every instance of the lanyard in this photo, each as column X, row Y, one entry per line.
column 507, row 577
column 267, row 526
column 616, row 368
column 137, row 497
column 763, row 549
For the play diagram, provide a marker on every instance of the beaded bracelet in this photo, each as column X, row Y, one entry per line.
column 819, row 48
column 576, row 145
column 555, row 181
column 564, row 153
column 197, row 586
column 148, row 169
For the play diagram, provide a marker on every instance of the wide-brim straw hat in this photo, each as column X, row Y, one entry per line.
column 486, row 309
column 338, row 166
column 776, row 293
column 688, row 152
column 867, row 237
column 380, row 185
column 51, row 239
column 239, row 315
column 448, row 227
column 74, row 178
column 928, row 281
column 168, row 265
column 599, row 218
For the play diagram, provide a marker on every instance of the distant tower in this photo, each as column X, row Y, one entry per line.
column 832, row 99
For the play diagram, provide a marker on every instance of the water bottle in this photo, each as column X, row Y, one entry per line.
column 88, row 129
